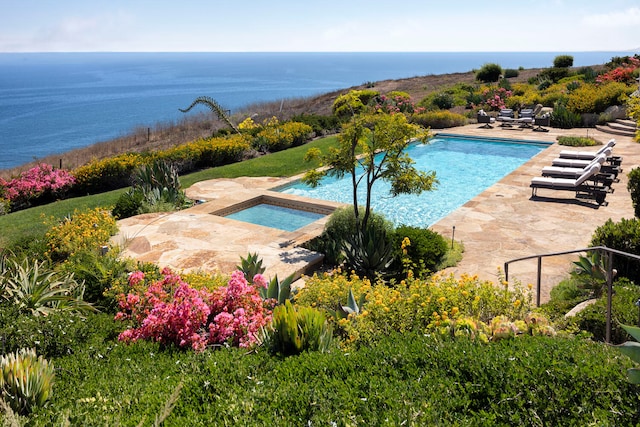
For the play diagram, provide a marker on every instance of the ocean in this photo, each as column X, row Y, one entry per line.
column 55, row 102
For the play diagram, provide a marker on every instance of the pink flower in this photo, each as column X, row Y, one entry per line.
column 260, row 281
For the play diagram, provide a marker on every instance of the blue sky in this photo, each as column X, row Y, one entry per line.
column 309, row 26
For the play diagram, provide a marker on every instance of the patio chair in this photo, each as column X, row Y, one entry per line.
column 506, row 116
column 539, row 122
column 578, row 163
column 580, row 185
column 483, row 117
column 526, row 118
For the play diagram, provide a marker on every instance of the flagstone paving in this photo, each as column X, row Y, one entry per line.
column 502, row 223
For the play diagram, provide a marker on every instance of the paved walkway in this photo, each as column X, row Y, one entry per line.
column 501, row 224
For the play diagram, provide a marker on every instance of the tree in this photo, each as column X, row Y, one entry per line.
column 213, row 106
column 563, row 61
column 489, row 73
column 372, row 147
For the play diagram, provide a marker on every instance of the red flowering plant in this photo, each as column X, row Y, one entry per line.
column 623, row 74
column 41, row 181
column 172, row 312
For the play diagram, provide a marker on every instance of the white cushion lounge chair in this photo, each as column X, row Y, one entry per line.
column 586, row 155
column 483, row 117
column 606, row 175
column 579, row 185
column 578, row 163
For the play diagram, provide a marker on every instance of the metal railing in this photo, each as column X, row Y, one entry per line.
column 610, row 274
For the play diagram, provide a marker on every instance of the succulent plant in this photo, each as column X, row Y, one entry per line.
column 26, row 380
column 632, row 349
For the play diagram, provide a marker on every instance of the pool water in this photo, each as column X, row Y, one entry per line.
column 464, row 168
column 273, row 216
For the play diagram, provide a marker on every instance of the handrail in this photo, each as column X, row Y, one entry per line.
column 610, row 273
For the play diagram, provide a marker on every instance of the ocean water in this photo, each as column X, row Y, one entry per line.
column 55, row 102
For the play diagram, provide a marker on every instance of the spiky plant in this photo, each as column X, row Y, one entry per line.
column 632, row 349
column 591, row 272
column 34, row 288
column 215, row 107
column 26, row 380
column 250, row 266
column 277, row 290
column 369, row 252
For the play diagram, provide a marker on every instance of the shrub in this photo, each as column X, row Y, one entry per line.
column 295, row 330
column 421, row 252
column 553, row 74
column 563, row 61
column 489, row 73
column 128, row 204
column 172, row 312
column 595, row 99
column 633, row 185
column 623, row 236
column 438, row 119
column 368, row 252
column 279, row 136
column 563, row 118
column 443, row 101
column 353, row 102
column 26, row 380
column 319, row 123
column 106, row 174
column 40, row 184
column 510, row 72
column 578, row 141
column 86, row 230
column 624, row 311
column 206, row 152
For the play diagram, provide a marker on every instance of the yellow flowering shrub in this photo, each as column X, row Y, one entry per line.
column 417, row 305
column 633, row 109
column 438, row 119
column 84, row 230
column 207, row 152
column 591, row 98
column 107, row 174
column 279, row 136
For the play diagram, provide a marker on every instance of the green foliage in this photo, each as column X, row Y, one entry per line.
column 341, row 224
column 250, row 266
column 277, row 290
column 319, row 123
column 563, row 118
column 443, row 101
column 591, row 273
column 623, row 236
column 563, row 61
column 510, row 72
column 353, row 102
column 423, row 253
column 624, row 311
column 36, row 289
column 553, row 74
column 489, row 73
column 438, row 119
column 632, row 349
column 280, row 136
column 26, row 380
column 633, row 185
column 590, row 98
column 295, row 330
column 368, row 252
column 578, row 141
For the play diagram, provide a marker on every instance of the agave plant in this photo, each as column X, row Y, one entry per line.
column 26, row 380
column 250, row 266
column 591, row 272
column 353, row 307
column 277, row 290
column 632, row 349
column 36, row 289
column 369, row 252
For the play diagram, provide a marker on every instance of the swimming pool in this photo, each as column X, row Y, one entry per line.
column 464, row 168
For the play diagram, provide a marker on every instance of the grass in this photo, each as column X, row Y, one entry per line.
column 21, row 225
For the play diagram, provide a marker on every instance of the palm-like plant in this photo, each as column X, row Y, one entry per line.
column 591, row 271
column 213, row 106
column 36, row 289
column 26, row 380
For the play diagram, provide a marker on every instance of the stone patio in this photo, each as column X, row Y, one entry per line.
column 501, row 224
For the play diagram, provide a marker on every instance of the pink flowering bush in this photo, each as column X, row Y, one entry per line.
column 622, row 74
column 40, row 181
column 172, row 312
column 495, row 98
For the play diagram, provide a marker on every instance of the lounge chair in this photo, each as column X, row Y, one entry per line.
column 580, row 185
column 586, row 155
column 590, row 155
column 483, row 117
column 505, row 116
column 608, row 174
column 526, row 118
column 578, row 163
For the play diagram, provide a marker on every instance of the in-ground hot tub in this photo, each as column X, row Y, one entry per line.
column 276, row 212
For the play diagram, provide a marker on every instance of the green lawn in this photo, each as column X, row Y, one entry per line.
column 30, row 222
